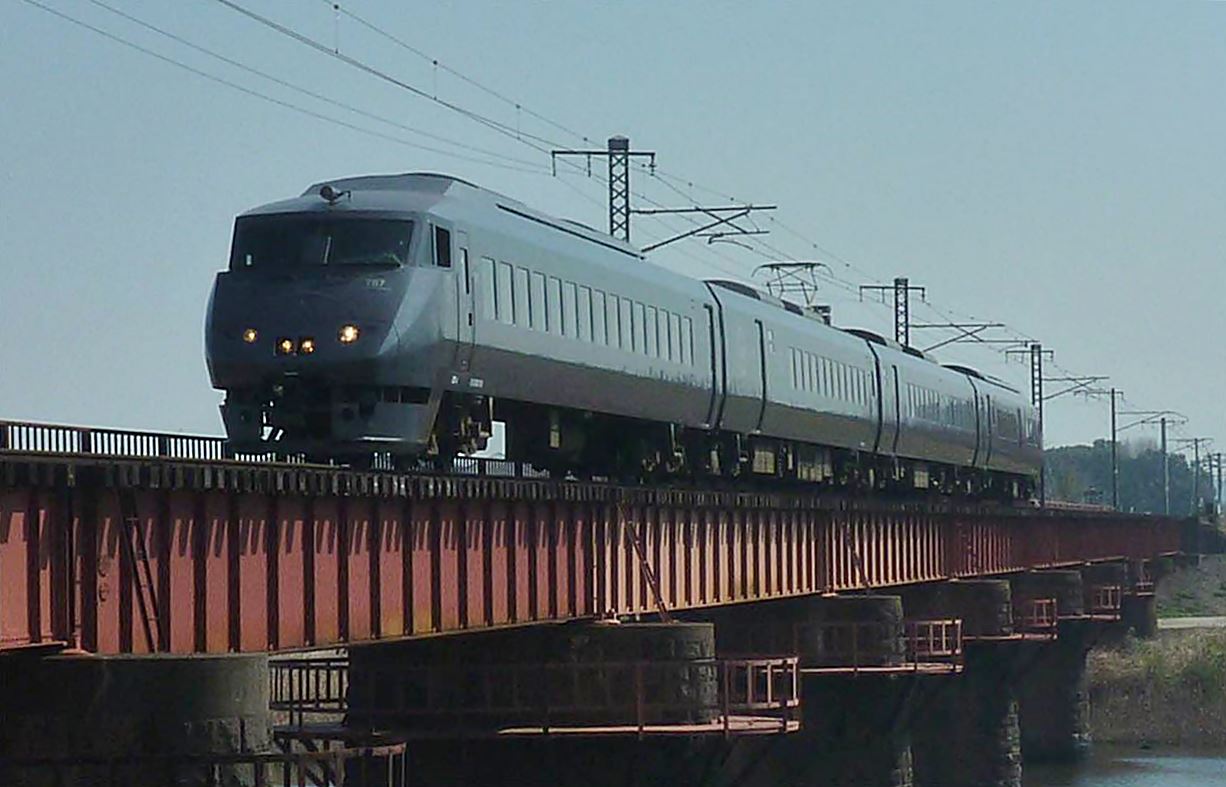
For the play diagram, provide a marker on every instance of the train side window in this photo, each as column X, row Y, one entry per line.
column 570, row 308
column 599, row 334
column 610, row 320
column 640, row 327
column 667, row 342
column 687, row 340
column 442, row 247
column 625, row 325
column 489, row 289
column 553, row 306
column 650, row 325
column 504, row 302
column 585, row 313
column 674, row 338
column 519, row 304
column 536, row 303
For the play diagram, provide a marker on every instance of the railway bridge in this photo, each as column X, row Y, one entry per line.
column 167, row 607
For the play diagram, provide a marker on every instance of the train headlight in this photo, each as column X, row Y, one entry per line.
column 348, row 334
column 250, row 335
column 285, row 346
column 306, row 345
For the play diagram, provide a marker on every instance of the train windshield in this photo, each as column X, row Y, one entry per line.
column 289, row 242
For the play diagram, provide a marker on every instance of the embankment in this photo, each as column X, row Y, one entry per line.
column 1166, row 691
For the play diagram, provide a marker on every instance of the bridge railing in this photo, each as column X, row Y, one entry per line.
column 1036, row 615
column 27, row 437
column 639, row 696
column 934, row 639
column 1105, row 599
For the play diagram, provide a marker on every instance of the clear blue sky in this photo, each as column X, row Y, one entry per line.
column 1058, row 166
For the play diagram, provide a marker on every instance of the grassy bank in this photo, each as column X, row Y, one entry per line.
column 1171, row 690
column 1194, row 590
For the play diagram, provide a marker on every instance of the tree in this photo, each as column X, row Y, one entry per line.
column 1077, row 473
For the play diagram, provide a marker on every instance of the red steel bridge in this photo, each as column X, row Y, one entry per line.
column 133, row 542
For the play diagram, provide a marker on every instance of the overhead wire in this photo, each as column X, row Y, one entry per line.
column 307, row 92
column 754, row 244
column 519, row 106
column 260, row 95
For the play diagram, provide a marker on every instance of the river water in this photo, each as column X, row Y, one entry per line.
column 1109, row 767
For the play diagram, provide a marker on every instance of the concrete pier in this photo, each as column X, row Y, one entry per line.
column 102, row 708
column 1053, row 697
column 966, row 731
column 854, row 729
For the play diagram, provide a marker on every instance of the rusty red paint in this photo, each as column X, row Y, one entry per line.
column 277, row 570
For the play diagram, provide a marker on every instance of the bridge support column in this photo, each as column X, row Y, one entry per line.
column 983, row 605
column 1051, row 676
column 1053, row 698
column 109, row 707
column 558, row 705
column 1139, row 614
column 965, row 732
column 855, row 696
column 1065, row 586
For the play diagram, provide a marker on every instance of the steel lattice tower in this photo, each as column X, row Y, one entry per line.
column 619, row 187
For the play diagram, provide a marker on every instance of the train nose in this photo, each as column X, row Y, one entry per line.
column 328, row 329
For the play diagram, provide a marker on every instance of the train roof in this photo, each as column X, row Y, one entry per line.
column 420, row 191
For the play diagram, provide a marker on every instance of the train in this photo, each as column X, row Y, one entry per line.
column 403, row 315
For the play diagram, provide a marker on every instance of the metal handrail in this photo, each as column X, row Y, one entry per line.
column 746, row 686
column 29, row 437
column 924, row 641
column 934, row 639
column 1105, row 598
column 1037, row 614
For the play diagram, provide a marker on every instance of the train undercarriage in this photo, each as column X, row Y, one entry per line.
column 589, row 445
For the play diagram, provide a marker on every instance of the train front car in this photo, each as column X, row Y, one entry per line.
column 326, row 331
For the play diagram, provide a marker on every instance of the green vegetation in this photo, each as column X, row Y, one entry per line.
column 1082, row 473
column 1194, row 590
column 1171, row 690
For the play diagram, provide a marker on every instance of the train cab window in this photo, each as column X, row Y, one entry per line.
column 442, row 247
column 290, row 242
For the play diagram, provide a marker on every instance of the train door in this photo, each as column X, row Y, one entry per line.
column 761, row 372
column 989, row 430
column 715, row 334
column 978, row 426
column 897, row 409
column 465, row 318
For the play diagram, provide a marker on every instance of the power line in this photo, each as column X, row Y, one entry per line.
column 307, row 92
column 307, row 41
column 257, row 94
column 519, row 107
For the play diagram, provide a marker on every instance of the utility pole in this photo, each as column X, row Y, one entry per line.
column 1196, row 443
column 1036, row 353
column 1115, row 395
column 1115, row 460
column 1166, row 473
column 1218, row 487
column 902, row 289
column 619, row 155
column 1162, row 416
